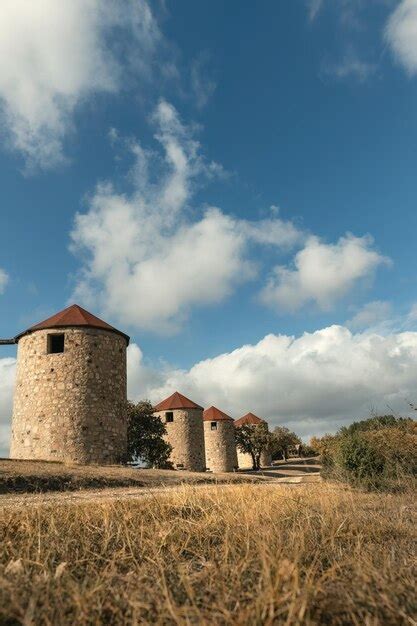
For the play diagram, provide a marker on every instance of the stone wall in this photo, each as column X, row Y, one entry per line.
column 220, row 446
column 70, row 406
column 186, row 436
column 245, row 460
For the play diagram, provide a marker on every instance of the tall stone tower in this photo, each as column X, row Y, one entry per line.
column 183, row 420
column 219, row 439
column 244, row 459
column 70, row 394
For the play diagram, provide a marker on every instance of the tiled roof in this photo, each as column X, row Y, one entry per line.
column 215, row 415
column 176, row 401
column 249, row 418
column 73, row 315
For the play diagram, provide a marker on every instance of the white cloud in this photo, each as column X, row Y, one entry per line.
column 380, row 318
column 54, row 55
column 412, row 315
column 202, row 84
column 149, row 258
column 350, row 66
column 273, row 232
column 141, row 376
column 401, row 34
column 4, row 279
column 314, row 7
column 322, row 273
column 7, row 374
column 313, row 383
column 371, row 314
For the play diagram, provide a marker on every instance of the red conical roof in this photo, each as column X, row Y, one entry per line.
column 215, row 415
column 249, row 418
column 176, row 401
column 73, row 315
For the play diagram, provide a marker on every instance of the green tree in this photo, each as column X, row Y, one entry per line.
column 283, row 439
column 253, row 439
column 145, row 433
column 321, row 445
column 376, row 453
column 376, row 422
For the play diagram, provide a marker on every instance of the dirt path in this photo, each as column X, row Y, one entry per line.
column 130, row 493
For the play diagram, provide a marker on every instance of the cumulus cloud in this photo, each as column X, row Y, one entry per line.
column 7, row 374
column 322, row 273
column 314, row 383
column 54, row 55
column 4, row 279
column 148, row 257
column 401, row 34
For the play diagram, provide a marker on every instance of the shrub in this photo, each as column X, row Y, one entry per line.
column 359, row 459
column 378, row 453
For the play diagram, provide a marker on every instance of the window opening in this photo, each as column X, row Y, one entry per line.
column 56, row 343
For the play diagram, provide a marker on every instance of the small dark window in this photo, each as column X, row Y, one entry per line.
column 169, row 417
column 56, row 343
column 213, row 425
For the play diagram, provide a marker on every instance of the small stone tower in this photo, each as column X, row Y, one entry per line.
column 70, row 395
column 219, row 439
column 183, row 420
column 245, row 460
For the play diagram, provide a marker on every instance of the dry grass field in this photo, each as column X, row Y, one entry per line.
column 245, row 555
column 42, row 476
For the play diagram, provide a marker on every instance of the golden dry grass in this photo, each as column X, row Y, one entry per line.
column 245, row 555
column 19, row 476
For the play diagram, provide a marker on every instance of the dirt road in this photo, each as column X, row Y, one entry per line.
column 293, row 473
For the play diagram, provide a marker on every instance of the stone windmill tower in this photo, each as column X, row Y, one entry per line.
column 219, row 439
column 245, row 460
column 70, row 395
column 183, row 420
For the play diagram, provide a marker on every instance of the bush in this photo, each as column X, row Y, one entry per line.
column 378, row 453
column 358, row 458
column 398, row 447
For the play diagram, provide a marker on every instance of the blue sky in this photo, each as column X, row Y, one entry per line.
column 209, row 175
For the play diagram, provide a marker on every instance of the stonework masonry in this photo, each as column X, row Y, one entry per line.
column 220, row 446
column 186, row 435
column 70, row 406
column 245, row 460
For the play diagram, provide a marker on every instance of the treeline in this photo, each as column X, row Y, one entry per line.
column 376, row 453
